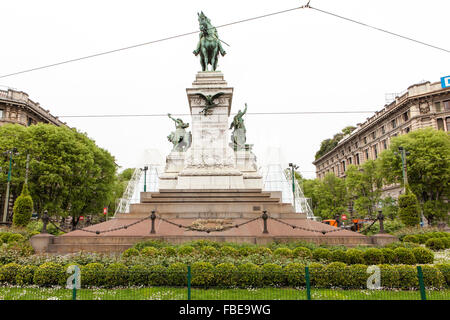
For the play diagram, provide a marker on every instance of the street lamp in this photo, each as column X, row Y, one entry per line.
column 403, row 153
column 9, row 153
column 293, row 168
column 145, row 178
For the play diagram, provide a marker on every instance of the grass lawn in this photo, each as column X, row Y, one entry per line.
column 171, row 293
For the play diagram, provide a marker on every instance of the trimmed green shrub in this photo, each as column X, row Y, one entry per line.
column 15, row 237
column 435, row 244
column 50, row 274
column 321, row 254
column 302, row 253
column 283, row 252
column 185, row 250
column 244, row 251
column 229, row 251
column 157, row 275
column 4, row 236
column 295, row 274
column 355, row 276
column 354, row 256
column 407, row 276
column 202, row 274
column 388, row 254
column 25, row 275
column 209, row 251
column 138, row 275
column 423, row 255
column 226, row 274
column 168, row 251
column 23, row 208
column 389, row 276
column 445, row 270
column 421, row 237
column 116, row 275
column 404, row 256
column 177, row 274
column 316, row 274
column 446, row 242
column 263, row 251
column 272, row 275
column 432, row 277
column 408, row 209
column 335, row 272
column 373, row 256
column 249, row 275
column 150, row 243
column 130, row 252
column 93, row 275
column 8, row 272
column 149, row 252
column 411, row 238
column 338, row 256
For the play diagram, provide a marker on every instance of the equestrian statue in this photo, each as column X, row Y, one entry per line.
column 209, row 44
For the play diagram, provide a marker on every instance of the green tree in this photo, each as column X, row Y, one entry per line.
column 364, row 184
column 331, row 196
column 428, row 164
column 329, row 144
column 23, row 208
column 69, row 175
column 408, row 208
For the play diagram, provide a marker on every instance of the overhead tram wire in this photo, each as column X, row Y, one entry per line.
column 146, row 43
column 307, row 6
column 379, row 29
column 188, row 114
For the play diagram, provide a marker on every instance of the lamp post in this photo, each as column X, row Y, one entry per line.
column 145, row 178
column 403, row 153
column 293, row 167
column 9, row 153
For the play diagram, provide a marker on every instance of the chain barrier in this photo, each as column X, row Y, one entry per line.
column 190, row 228
column 104, row 231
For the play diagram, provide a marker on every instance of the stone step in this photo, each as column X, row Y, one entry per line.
column 211, row 191
column 210, row 200
column 147, row 195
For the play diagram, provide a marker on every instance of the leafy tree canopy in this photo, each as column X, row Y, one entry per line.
column 329, row 144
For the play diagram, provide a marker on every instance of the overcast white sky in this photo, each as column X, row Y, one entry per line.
column 303, row 60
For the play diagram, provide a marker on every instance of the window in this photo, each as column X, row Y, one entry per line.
column 408, row 129
column 394, row 124
column 365, row 140
column 437, row 106
column 440, row 124
column 1, row 113
column 367, row 154
column 30, row 121
column 375, row 151
column 356, row 145
column 373, row 135
column 357, row 158
column 384, row 144
column 447, row 120
column 383, row 130
column 446, row 105
column 343, row 166
column 349, row 160
column 405, row 116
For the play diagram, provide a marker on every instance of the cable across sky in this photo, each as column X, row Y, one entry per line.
column 307, row 6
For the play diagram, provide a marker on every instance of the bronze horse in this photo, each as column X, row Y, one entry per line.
column 209, row 44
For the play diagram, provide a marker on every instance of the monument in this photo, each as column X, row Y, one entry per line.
column 211, row 186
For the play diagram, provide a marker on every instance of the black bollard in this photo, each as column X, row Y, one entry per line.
column 265, row 217
column 45, row 221
column 153, row 217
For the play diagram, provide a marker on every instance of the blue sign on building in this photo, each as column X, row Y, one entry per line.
column 445, row 82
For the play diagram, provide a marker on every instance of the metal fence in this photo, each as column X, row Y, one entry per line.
column 308, row 283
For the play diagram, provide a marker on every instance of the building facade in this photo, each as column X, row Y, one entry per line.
column 421, row 105
column 17, row 107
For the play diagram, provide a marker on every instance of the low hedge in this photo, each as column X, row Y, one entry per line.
column 436, row 244
column 205, row 274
